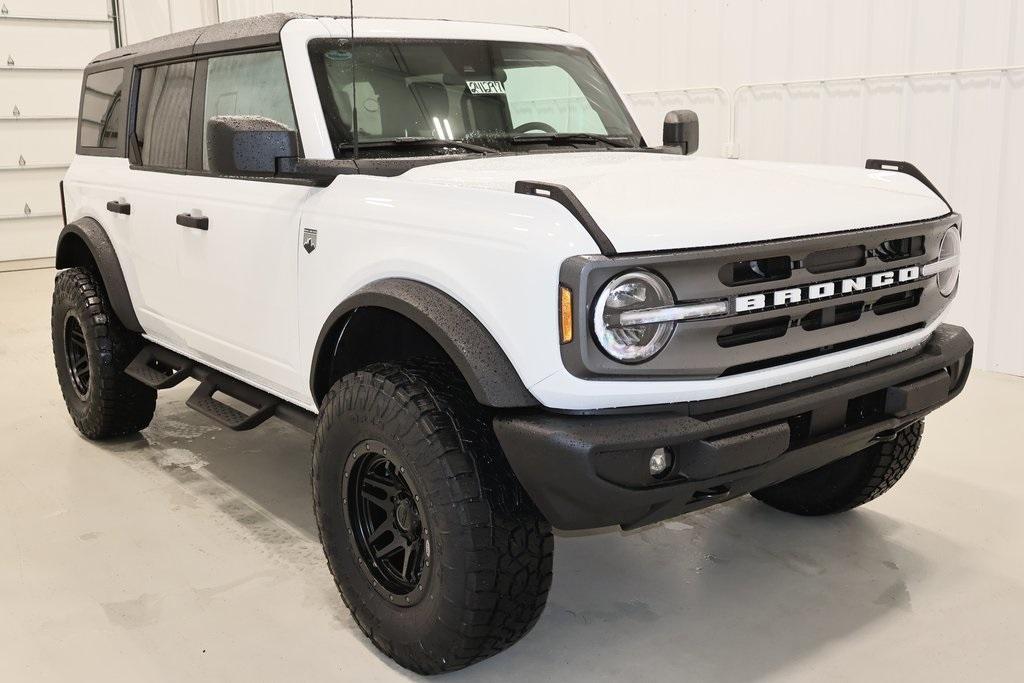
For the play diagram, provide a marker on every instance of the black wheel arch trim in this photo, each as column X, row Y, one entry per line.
column 478, row 357
column 95, row 239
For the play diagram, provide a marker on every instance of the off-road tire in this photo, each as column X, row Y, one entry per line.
column 112, row 404
column 849, row 482
column 490, row 551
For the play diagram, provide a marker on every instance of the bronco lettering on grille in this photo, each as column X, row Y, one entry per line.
column 825, row 290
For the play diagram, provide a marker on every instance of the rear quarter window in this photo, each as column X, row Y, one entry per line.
column 101, row 124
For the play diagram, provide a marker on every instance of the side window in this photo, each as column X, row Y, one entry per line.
column 161, row 119
column 247, row 84
column 102, row 122
column 548, row 94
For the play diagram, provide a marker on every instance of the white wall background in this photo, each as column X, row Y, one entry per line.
column 43, row 45
column 963, row 131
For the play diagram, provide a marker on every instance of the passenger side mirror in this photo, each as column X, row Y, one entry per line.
column 248, row 145
column 681, row 130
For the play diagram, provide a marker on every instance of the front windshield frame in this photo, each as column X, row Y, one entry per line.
column 339, row 129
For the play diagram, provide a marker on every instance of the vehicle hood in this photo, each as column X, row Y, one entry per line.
column 649, row 202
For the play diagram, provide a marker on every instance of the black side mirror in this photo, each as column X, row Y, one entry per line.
column 248, row 145
column 681, row 130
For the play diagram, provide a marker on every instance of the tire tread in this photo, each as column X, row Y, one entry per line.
column 118, row 404
column 850, row 482
column 509, row 543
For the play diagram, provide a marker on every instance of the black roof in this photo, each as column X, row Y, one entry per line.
column 239, row 34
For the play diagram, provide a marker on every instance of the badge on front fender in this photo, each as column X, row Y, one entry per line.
column 309, row 240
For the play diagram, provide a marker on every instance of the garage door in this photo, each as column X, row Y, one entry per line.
column 43, row 46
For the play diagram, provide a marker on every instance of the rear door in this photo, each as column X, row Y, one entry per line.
column 154, row 183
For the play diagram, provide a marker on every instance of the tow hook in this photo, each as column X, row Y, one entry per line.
column 886, row 435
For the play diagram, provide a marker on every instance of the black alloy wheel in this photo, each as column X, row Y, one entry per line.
column 76, row 355
column 386, row 523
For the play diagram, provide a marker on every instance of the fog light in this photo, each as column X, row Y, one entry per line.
column 661, row 460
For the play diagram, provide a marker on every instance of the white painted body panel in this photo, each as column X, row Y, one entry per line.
column 247, row 299
column 496, row 253
column 226, row 296
column 651, row 202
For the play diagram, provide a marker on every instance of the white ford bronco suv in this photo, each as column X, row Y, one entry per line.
column 446, row 251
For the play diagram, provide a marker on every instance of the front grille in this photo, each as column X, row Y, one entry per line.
column 814, row 353
column 752, row 340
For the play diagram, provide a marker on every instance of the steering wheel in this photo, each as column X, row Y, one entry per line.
column 533, row 125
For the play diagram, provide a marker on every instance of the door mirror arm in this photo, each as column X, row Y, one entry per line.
column 320, row 171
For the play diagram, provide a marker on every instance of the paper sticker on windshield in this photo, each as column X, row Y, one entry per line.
column 486, row 87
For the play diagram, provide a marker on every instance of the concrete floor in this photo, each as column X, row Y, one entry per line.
column 190, row 553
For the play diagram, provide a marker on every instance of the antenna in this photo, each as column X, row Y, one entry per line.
column 352, row 48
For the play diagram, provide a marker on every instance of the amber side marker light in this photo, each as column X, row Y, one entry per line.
column 565, row 313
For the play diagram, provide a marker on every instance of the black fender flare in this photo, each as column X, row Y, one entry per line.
column 88, row 235
column 482, row 362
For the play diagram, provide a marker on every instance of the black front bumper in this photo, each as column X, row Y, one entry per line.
column 587, row 471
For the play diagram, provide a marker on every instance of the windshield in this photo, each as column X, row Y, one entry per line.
column 494, row 94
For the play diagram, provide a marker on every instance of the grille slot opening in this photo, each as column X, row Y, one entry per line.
column 830, row 260
column 831, row 316
column 748, row 333
column 906, row 247
column 897, row 302
column 756, row 270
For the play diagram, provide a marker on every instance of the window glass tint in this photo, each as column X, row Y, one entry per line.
column 102, row 121
column 249, row 84
column 161, row 121
column 549, row 95
column 474, row 91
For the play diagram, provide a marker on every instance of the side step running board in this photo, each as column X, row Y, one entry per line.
column 162, row 368
column 159, row 368
column 202, row 400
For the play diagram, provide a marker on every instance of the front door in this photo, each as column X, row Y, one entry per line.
column 235, row 241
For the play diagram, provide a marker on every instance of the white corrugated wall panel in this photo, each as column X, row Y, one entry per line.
column 960, row 131
column 39, row 88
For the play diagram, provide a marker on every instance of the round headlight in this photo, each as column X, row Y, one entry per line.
column 630, row 292
column 949, row 248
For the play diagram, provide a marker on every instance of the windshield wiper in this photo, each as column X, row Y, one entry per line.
column 420, row 142
column 612, row 140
